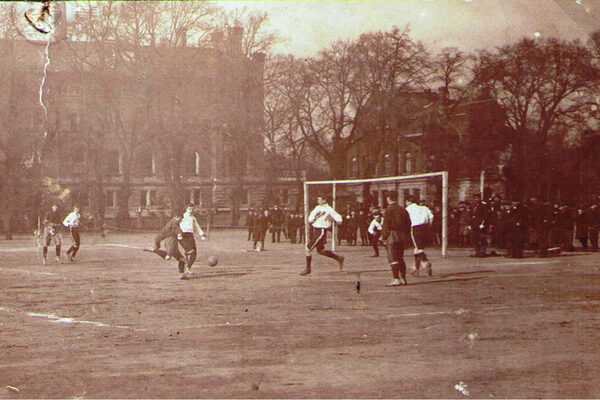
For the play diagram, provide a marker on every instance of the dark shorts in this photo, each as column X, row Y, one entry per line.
column 318, row 239
column 51, row 235
column 419, row 235
column 188, row 243
column 74, row 233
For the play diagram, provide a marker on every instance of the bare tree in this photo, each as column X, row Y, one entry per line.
column 539, row 83
column 283, row 139
column 351, row 82
column 451, row 74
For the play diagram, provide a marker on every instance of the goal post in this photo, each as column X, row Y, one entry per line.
column 389, row 179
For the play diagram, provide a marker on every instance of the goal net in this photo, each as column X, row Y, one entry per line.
column 356, row 199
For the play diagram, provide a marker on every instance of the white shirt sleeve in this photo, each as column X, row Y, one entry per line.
column 68, row 221
column 197, row 227
column 371, row 229
column 335, row 216
column 429, row 215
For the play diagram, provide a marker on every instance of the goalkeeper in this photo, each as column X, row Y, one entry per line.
column 52, row 222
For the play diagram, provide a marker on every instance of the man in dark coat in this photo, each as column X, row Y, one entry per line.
column 594, row 219
column 396, row 234
column 516, row 230
column 276, row 224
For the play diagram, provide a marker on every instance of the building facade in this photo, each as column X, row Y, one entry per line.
column 421, row 136
column 143, row 131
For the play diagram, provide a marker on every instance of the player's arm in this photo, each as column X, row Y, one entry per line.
column 371, row 229
column 385, row 232
column 198, row 229
column 68, row 221
column 314, row 214
column 335, row 216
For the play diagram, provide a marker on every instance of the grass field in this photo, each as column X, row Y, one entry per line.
column 120, row 323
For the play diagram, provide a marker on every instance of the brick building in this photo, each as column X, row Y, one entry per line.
column 423, row 136
column 150, row 122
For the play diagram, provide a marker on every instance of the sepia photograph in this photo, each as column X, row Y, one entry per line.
column 312, row 199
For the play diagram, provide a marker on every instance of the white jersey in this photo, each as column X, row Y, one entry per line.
column 375, row 226
column 322, row 215
column 189, row 224
column 419, row 215
column 72, row 220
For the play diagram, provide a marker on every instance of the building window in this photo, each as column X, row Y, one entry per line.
column 417, row 194
column 145, row 164
column 354, row 166
column 110, row 198
column 405, row 194
column 198, row 166
column 408, row 163
column 113, row 162
column 197, row 200
column 190, row 162
column 188, row 197
column 148, row 198
column 144, row 198
column 206, row 197
column 365, row 165
column 387, row 164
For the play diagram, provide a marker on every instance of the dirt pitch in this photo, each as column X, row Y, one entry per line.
column 119, row 323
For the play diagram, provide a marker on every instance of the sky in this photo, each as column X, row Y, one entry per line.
column 306, row 27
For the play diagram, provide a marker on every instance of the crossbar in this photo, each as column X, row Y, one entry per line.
column 386, row 179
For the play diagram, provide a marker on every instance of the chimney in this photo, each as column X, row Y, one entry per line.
column 217, row 39
column 234, row 35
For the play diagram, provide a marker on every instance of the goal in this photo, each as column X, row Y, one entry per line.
column 431, row 187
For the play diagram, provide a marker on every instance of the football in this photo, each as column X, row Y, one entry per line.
column 212, row 261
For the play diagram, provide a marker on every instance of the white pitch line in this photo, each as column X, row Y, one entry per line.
column 487, row 309
column 211, row 325
column 68, row 320
column 119, row 245
column 28, row 272
column 18, row 249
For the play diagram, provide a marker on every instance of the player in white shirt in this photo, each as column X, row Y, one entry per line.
column 421, row 219
column 189, row 225
column 374, row 230
column 321, row 219
column 72, row 222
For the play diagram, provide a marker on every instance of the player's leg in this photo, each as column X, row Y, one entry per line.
column 422, row 234
column 328, row 253
column 57, row 245
column 189, row 245
column 77, row 242
column 313, row 242
column 172, row 245
column 69, row 252
column 395, row 253
column 46, row 238
column 375, row 245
